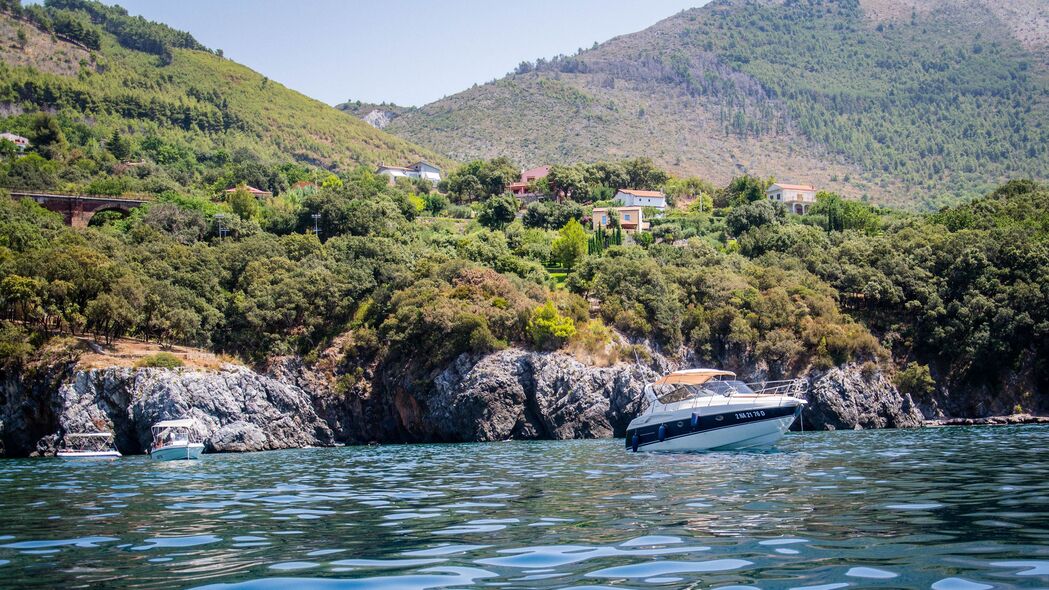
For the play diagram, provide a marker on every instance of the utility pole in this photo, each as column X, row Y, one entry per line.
column 220, row 219
column 316, row 225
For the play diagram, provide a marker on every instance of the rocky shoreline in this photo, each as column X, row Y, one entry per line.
column 509, row 394
column 990, row 420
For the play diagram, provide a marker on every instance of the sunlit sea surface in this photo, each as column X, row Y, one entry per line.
column 947, row 509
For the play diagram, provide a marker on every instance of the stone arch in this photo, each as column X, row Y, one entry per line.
column 93, row 218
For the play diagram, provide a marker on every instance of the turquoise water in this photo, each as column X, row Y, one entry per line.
column 947, row 509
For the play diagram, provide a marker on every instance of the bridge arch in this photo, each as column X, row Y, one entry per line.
column 103, row 215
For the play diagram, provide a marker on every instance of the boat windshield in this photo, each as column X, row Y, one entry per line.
column 670, row 394
column 167, row 436
column 727, row 387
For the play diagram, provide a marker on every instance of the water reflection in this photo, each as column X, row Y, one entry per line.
column 947, row 509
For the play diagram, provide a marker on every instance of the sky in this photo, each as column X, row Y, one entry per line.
column 409, row 52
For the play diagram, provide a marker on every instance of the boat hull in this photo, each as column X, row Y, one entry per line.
column 735, row 429
column 177, row 452
column 88, row 455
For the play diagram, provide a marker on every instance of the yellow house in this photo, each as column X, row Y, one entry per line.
column 631, row 219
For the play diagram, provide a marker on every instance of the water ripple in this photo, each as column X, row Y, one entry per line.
column 940, row 509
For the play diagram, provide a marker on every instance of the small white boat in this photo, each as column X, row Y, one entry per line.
column 708, row 409
column 175, row 440
column 88, row 445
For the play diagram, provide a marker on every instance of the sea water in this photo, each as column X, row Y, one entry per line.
column 945, row 509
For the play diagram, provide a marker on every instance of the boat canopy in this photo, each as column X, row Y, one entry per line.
column 693, row 376
column 183, row 423
column 89, row 435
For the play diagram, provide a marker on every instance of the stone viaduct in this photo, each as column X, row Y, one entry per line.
column 77, row 210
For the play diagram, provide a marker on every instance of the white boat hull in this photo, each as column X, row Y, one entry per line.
column 88, row 454
column 177, row 452
column 744, row 424
column 753, row 435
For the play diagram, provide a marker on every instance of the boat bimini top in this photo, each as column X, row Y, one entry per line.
column 169, row 431
column 682, row 385
column 88, row 441
column 184, row 423
column 693, row 376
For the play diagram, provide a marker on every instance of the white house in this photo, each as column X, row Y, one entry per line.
column 420, row 169
column 636, row 198
column 797, row 197
column 20, row 142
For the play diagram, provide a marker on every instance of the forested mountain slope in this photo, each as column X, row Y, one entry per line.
column 181, row 105
column 910, row 103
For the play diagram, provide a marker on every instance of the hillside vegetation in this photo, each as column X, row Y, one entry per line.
column 914, row 106
column 191, row 116
column 948, row 302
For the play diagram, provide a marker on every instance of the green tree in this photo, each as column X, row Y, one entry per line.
column 567, row 182
column 570, row 246
column 434, row 203
column 498, row 211
column 243, row 203
column 551, row 214
column 642, row 173
column 119, row 146
column 32, row 171
column 837, row 214
column 8, row 150
column 742, row 190
column 331, row 182
column 752, row 215
column 47, row 136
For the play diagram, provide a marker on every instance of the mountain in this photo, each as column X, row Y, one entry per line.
column 909, row 102
column 183, row 106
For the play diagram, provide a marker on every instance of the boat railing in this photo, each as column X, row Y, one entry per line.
column 788, row 387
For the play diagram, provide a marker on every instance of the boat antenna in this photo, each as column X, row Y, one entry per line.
column 641, row 394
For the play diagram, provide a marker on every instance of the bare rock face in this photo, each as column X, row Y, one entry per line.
column 379, row 118
column 850, row 398
column 235, row 408
column 520, row 394
column 509, row 394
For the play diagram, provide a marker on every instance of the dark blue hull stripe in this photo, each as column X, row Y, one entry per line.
column 649, row 434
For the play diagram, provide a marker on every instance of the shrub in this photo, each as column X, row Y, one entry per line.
column 591, row 344
column 916, row 380
column 160, row 360
column 548, row 329
column 15, row 347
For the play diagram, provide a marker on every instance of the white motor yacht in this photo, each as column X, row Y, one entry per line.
column 708, row 409
column 176, row 440
column 88, row 445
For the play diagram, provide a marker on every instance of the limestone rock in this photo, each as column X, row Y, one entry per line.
column 520, row 394
column 238, row 437
column 236, row 409
column 850, row 398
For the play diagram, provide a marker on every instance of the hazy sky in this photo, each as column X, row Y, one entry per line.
column 405, row 51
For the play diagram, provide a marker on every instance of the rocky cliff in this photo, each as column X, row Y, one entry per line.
column 510, row 394
column 236, row 409
column 852, row 397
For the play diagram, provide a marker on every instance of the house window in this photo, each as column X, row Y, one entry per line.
column 604, row 220
column 626, row 217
